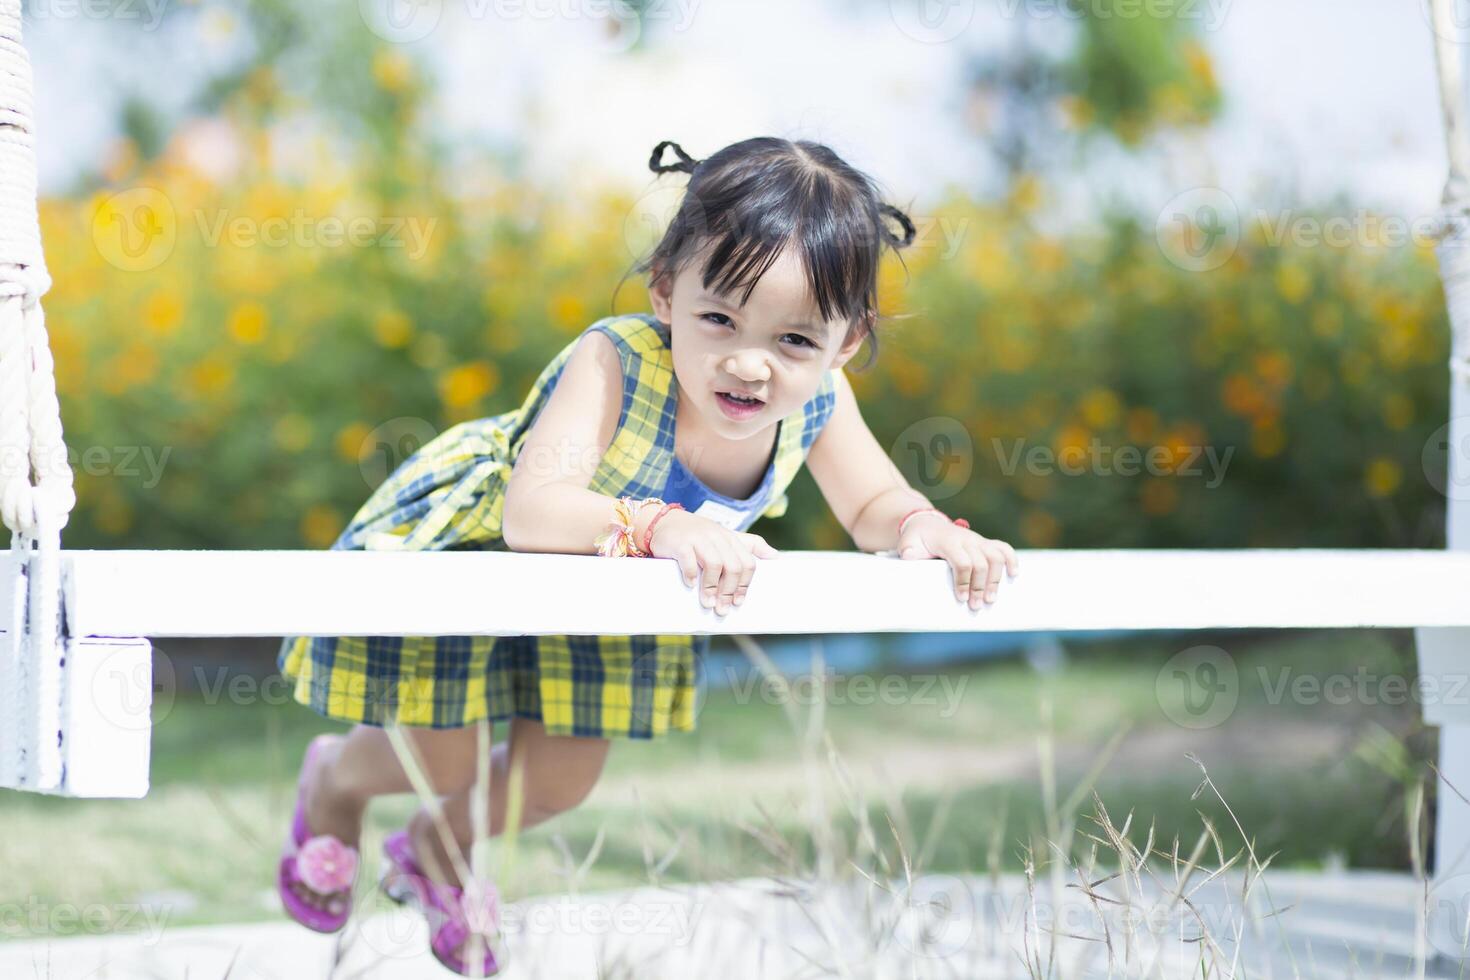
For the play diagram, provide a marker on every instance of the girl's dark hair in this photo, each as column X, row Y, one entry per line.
column 752, row 199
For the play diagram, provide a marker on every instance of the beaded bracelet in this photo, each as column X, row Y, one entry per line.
column 924, row 510
column 648, row 535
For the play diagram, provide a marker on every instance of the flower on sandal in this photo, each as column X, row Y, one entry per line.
column 326, row 864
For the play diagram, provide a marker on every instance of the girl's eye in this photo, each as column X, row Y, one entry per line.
column 801, row 340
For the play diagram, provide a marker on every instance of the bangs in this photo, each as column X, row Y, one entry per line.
column 836, row 252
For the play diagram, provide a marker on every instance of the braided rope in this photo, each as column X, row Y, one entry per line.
column 36, row 484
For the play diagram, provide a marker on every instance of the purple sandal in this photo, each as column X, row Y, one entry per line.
column 450, row 920
column 322, row 863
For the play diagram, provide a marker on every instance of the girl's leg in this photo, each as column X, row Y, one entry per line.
column 557, row 773
column 363, row 764
column 350, row 770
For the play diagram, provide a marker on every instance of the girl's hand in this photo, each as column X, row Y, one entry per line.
column 727, row 557
column 976, row 559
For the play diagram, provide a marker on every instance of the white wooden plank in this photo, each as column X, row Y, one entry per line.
column 108, row 719
column 324, row 593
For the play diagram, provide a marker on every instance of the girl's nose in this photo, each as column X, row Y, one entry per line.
column 748, row 365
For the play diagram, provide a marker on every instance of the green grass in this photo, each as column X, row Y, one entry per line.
column 202, row 846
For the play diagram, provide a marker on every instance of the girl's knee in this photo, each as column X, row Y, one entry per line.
column 568, row 781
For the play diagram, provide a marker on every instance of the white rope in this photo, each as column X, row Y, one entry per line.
column 36, row 486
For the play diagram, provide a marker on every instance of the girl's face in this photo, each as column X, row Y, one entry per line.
column 775, row 348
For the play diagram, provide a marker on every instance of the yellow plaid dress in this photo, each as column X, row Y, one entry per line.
column 450, row 494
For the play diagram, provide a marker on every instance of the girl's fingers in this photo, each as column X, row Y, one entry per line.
column 1013, row 564
column 730, row 577
column 995, row 563
column 760, row 548
column 980, row 571
column 963, row 563
column 747, row 571
column 709, row 580
column 688, row 564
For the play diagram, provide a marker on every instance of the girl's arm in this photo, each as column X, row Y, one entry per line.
column 867, row 493
column 548, row 507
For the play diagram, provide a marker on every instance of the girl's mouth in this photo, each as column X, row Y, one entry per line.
column 738, row 408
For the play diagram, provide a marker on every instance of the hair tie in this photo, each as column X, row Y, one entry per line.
column 686, row 162
column 901, row 218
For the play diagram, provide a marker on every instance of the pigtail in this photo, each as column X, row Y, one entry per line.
column 902, row 219
column 685, row 164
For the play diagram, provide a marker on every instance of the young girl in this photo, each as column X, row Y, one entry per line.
column 660, row 435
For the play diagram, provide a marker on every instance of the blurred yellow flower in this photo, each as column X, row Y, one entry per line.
column 1013, row 351
column 1141, row 424
column 1382, row 477
column 1078, row 112
column 350, row 440
column 392, row 328
column 162, row 311
column 211, row 376
column 1274, row 367
column 909, row 378
column 1241, row 396
column 1100, row 408
column 428, row 350
column 568, row 311
column 1201, row 67
column 247, row 323
column 1071, row 443
column 990, row 263
column 1159, row 496
column 135, row 365
column 1267, row 437
column 320, row 526
column 1026, row 192
column 391, row 69
column 1326, row 321
column 114, row 515
column 1398, row 410
column 467, row 383
column 1046, row 255
column 1181, row 443
column 1033, row 486
column 292, row 432
column 1039, row 528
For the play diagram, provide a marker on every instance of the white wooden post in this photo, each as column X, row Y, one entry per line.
column 1444, row 654
column 95, row 720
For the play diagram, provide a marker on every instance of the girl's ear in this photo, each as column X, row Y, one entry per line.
column 661, row 296
column 846, row 352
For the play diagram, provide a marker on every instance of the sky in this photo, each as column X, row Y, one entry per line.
column 1323, row 97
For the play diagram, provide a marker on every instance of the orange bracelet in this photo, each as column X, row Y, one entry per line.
column 924, row 510
column 648, row 535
